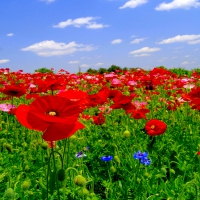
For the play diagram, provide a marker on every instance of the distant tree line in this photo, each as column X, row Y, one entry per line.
column 118, row 69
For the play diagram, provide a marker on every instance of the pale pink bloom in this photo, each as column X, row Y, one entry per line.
column 132, row 83
column 111, row 75
column 105, row 109
column 139, row 104
column 32, row 86
column 115, row 81
column 6, row 107
column 189, row 86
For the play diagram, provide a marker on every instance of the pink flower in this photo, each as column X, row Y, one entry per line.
column 6, row 107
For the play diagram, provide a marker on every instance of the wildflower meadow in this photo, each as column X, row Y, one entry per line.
column 122, row 135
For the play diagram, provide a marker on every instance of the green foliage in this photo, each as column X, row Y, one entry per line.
column 113, row 68
column 44, row 70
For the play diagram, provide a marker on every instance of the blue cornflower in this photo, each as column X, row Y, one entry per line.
column 139, row 155
column 80, row 154
column 145, row 161
column 142, row 157
column 106, row 158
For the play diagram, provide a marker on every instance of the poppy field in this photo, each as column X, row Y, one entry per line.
column 127, row 134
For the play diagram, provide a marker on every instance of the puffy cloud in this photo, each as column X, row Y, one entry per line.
column 133, row 4
column 144, row 50
column 51, row 48
column 117, row 41
column 185, row 63
column 142, row 55
column 137, row 41
column 190, row 39
column 178, row 4
column 88, row 22
column 74, row 62
column 99, row 64
column 4, row 61
column 10, row 34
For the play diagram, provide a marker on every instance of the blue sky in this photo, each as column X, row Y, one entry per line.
column 70, row 34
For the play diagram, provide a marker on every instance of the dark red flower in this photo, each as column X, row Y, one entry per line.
column 100, row 119
column 14, row 90
column 155, row 127
column 140, row 113
column 56, row 117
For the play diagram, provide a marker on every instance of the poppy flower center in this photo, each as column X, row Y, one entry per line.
column 153, row 127
column 52, row 113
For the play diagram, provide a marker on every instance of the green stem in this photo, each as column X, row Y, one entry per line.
column 55, row 171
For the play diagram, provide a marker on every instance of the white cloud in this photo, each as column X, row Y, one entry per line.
column 51, row 48
column 84, row 65
column 142, row 55
column 74, row 62
column 194, row 42
column 99, row 64
column 10, row 34
column 133, row 4
column 178, row 4
column 117, row 41
column 137, row 41
column 145, row 50
column 88, row 22
column 187, row 56
column 185, row 63
column 181, row 38
column 48, row 1
column 196, row 49
column 4, row 61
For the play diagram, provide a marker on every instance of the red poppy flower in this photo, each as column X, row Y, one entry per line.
column 140, row 113
column 14, row 90
column 155, row 127
column 198, row 153
column 100, row 119
column 56, row 117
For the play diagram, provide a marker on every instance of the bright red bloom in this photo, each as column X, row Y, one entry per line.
column 100, row 119
column 56, row 117
column 140, row 113
column 14, row 90
column 198, row 153
column 155, row 127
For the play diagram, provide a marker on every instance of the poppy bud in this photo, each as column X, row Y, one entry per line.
column 113, row 169
column 83, row 192
column 163, row 170
column 9, row 193
column 61, row 175
column 126, row 133
column 116, row 158
column 172, row 171
column 80, row 180
column 146, row 174
column 25, row 185
column 138, row 180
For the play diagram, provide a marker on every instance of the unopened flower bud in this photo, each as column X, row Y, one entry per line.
column 113, row 169
column 83, row 192
column 26, row 185
column 9, row 193
column 126, row 133
column 61, row 175
column 80, row 180
column 116, row 158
